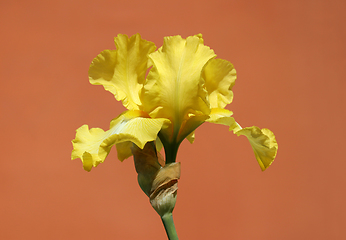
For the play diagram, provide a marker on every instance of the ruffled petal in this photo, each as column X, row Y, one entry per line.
column 92, row 146
column 263, row 143
column 223, row 116
column 86, row 146
column 219, row 76
column 122, row 71
column 218, row 116
column 174, row 87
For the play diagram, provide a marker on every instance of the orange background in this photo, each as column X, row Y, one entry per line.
column 290, row 58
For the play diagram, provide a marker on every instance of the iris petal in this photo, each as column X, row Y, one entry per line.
column 174, row 87
column 219, row 76
column 223, row 116
column 122, row 71
column 92, row 146
column 191, row 137
column 262, row 141
column 124, row 150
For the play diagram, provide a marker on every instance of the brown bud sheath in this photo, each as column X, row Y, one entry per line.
column 163, row 194
column 146, row 164
column 159, row 183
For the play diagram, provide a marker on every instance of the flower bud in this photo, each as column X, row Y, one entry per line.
column 159, row 183
column 163, row 194
column 146, row 164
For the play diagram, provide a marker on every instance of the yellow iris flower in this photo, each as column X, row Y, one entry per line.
column 185, row 87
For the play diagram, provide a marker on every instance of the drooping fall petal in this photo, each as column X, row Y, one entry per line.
column 122, row 71
column 123, row 150
column 223, row 116
column 262, row 141
column 92, row 146
column 174, row 88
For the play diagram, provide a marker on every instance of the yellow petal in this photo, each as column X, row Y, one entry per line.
column 159, row 144
column 223, row 116
column 191, row 137
column 219, row 76
column 92, row 146
column 124, row 150
column 189, row 126
column 218, row 116
column 86, row 146
column 263, row 143
column 122, row 71
column 174, row 87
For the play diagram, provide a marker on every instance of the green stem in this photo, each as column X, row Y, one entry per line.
column 171, row 148
column 171, row 152
column 167, row 220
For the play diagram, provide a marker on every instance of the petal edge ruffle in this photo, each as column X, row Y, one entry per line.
column 263, row 144
column 219, row 76
column 174, row 87
column 122, row 71
column 262, row 141
column 92, row 146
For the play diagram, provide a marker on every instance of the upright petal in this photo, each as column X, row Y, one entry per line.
column 92, row 146
column 219, row 76
column 174, row 87
column 122, row 71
